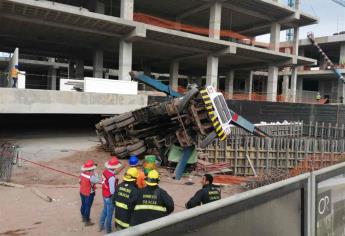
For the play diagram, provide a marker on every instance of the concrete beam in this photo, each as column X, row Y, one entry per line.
column 272, row 83
column 212, row 71
column 125, row 60
column 193, row 11
column 137, row 34
column 226, row 51
column 247, row 11
column 215, row 20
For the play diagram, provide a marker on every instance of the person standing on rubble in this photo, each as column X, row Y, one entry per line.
column 124, row 198
column 152, row 201
column 87, row 180
column 134, row 162
column 113, row 167
column 208, row 193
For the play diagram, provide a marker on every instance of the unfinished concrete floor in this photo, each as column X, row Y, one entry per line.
column 24, row 213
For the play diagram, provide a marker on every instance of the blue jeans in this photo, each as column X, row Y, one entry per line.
column 86, row 203
column 107, row 214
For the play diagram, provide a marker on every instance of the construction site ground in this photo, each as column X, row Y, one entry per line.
column 24, row 213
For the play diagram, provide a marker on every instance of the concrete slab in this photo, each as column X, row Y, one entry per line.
column 30, row 101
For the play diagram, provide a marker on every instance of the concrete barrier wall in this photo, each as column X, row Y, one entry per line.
column 29, row 101
column 309, row 204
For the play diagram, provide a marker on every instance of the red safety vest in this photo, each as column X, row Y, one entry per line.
column 105, row 184
column 86, row 188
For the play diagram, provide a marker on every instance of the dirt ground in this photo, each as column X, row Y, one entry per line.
column 24, row 213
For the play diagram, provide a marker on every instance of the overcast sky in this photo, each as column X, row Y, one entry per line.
column 331, row 18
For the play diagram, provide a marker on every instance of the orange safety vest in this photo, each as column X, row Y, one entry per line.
column 141, row 179
column 85, row 184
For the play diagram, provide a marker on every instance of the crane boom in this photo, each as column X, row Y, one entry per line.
column 329, row 62
column 340, row 2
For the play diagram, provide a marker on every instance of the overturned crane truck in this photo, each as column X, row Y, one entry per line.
column 200, row 113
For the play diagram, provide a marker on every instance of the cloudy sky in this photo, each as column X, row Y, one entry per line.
column 331, row 18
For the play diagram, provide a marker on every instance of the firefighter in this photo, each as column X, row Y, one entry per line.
column 208, row 193
column 152, row 202
column 133, row 162
column 113, row 166
column 87, row 180
column 124, row 198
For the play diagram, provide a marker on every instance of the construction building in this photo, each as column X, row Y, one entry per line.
column 107, row 39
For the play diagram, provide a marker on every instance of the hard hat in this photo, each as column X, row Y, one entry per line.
column 88, row 165
column 152, row 178
column 113, row 163
column 133, row 161
column 131, row 174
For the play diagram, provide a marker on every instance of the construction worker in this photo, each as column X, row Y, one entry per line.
column 124, row 198
column 133, row 162
column 14, row 76
column 152, row 201
column 113, row 166
column 318, row 96
column 87, row 180
column 208, row 193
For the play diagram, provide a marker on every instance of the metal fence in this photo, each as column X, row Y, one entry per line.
column 7, row 154
column 310, row 204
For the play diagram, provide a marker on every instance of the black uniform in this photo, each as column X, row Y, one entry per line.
column 124, row 198
column 152, row 203
column 208, row 193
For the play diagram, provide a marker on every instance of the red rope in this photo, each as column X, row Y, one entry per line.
column 47, row 167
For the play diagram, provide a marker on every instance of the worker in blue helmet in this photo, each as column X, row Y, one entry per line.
column 134, row 162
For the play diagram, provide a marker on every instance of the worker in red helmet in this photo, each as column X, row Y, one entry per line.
column 112, row 168
column 87, row 180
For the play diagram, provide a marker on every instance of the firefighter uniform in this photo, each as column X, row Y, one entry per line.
column 124, row 199
column 152, row 202
column 208, row 193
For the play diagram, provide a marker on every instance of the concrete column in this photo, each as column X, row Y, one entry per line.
column 293, row 89
column 174, row 72
column 52, row 75
column 249, row 84
column 215, row 20
column 295, row 41
column 322, row 87
column 125, row 60
column 212, row 71
column 98, row 63
column 285, row 88
column 126, row 11
column 342, row 54
column 79, row 69
column 100, row 7
column 71, row 70
column 297, row 4
column 341, row 92
column 275, row 37
column 229, row 84
column 272, row 83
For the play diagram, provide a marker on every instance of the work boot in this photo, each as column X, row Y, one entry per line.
column 100, row 228
column 89, row 223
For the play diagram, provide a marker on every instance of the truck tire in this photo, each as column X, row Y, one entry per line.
column 138, row 151
column 120, row 149
column 135, row 146
column 125, row 123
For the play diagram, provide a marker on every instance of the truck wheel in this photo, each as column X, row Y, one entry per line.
column 125, row 122
column 138, row 151
column 135, row 146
